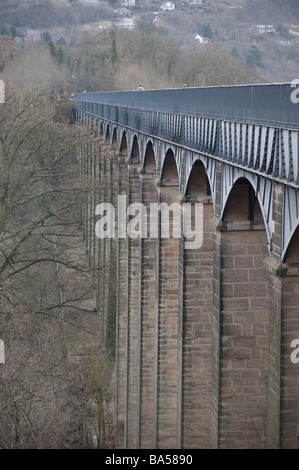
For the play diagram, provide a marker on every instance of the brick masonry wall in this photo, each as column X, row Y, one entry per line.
column 197, row 338
column 107, row 242
column 203, row 336
column 216, row 341
column 121, row 316
column 148, row 305
column 167, row 332
column 101, row 292
column 289, row 413
column 244, row 330
column 283, row 379
column 216, row 314
column 274, row 369
column 133, row 317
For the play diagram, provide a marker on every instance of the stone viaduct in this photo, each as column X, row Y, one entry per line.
column 204, row 337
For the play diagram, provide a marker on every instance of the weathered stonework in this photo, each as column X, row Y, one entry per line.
column 202, row 336
column 148, row 310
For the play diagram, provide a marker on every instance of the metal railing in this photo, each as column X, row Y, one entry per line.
column 269, row 104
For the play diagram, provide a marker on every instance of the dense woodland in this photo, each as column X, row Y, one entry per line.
column 57, row 372
column 56, row 382
column 163, row 55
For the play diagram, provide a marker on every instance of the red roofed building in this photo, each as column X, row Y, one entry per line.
column 32, row 35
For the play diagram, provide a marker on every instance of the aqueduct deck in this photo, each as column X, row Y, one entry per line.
column 203, row 336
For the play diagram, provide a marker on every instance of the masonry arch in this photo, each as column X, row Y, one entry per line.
column 149, row 157
column 123, row 143
column 198, row 183
column 169, row 170
column 135, row 152
column 243, row 204
column 292, row 252
column 244, row 318
column 107, row 134
column 114, row 136
column 101, row 128
column 95, row 127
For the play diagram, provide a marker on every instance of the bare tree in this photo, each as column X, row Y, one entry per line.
column 47, row 296
column 8, row 49
column 209, row 65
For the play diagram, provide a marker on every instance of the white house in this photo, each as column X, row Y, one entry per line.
column 264, row 28
column 167, row 6
column 200, row 39
column 89, row 2
column 127, row 23
column 128, row 3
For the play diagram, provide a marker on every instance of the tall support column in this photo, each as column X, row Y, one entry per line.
column 111, row 255
column 283, row 377
column 244, row 327
column 96, row 177
column 244, row 322
column 103, row 249
column 133, row 314
column 216, row 339
column 275, row 285
column 148, row 296
column 92, row 201
column 196, row 268
column 88, row 197
column 105, row 194
column 240, row 325
column 121, row 315
column 84, row 185
column 100, row 241
column 289, row 385
column 90, row 170
column 107, row 242
column 166, row 367
column 216, row 315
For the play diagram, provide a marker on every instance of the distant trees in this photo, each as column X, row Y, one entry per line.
column 212, row 66
column 60, row 53
column 269, row 11
column 122, row 59
column 62, row 41
column 207, row 30
column 114, row 52
column 254, row 57
column 46, row 36
column 146, row 57
column 49, row 13
column 91, row 61
column 52, row 49
column 13, row 31
column 34, row 152
column 35, row 66
column 8, row 50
